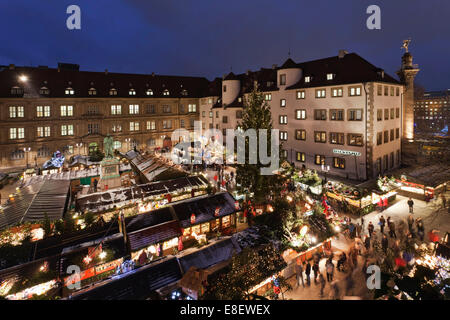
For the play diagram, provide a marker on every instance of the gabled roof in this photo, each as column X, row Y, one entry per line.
column 288, row 64
column 231, row 76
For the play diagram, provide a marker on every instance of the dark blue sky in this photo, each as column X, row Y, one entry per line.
column 208, row 37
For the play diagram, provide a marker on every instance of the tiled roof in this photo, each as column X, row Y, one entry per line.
column 154, row 234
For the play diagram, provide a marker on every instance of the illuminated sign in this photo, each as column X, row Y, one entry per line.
column 347, row 153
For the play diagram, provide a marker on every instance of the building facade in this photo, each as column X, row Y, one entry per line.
column 432, row 112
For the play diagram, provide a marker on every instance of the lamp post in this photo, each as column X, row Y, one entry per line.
column 325, row 170
column 127, row 140
column 26, row 150
column 78, row 145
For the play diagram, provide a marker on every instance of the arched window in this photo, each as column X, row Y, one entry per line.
column 44, row 91
column 92, row 92
column 17, row 155
column 112, row 92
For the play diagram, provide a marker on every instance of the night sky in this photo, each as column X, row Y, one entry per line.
column 209, row 37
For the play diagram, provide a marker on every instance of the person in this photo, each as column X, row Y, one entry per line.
column 322, row 284
column 370, row 228
column 299, row 273
column 410, row 223
column 392, row 229
column 334, row 292
column 308, row 272
column 420, row 229
column 341, row 261
column 444, row 200
column 410, row 205
column 382, row 223
column 330, row 270
column 351, row 228
column 362, row 223
column 367, row 243
column 358, row 230
column 384, row 243
column 316, row 271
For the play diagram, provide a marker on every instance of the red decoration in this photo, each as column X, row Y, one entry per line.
column 400, row 262
column 215, row 178
column 245, row 213
column 180, row 243
column 217, row 211
column 236, row 205
column 276, row 290
column 192, row 218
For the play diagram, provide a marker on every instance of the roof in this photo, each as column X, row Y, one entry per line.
column 288, row 64
column 155, row 234
column 444, row 94
column 32, row 202
column 231, row 76
column 204, row 208
column 57, row 80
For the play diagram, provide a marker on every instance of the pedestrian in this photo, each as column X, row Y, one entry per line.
column 367, row 243
column 410, row 223
column 362, row 223
column 358, row 230
column 330, row 270
column 384, row 243
column 308, row 272
column 382, row 223
column 322, row 284
column 370, row 228
column 299, row 273
column 316, row 271
column 420, row 229
column 392, row 229
column 410, row 205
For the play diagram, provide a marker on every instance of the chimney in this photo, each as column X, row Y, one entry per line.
column 342, row 53
column 274, row 66
column 106, row 71
column 12, row 67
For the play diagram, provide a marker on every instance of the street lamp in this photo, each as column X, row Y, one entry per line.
column 23, row 78
column 78, row 145
column 26, row 150
column 127, row 140
column 325, row 170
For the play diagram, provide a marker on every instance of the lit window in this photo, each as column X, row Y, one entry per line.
column 112, row 92
column 330, row 76
column 151, row 125
column 300, row 114
column 320, row 93
column 134, row 109
column 66, row 111
column 336, row 92
column 283, row 119
column 192, row 108
column 165, row 92
column 149, row 92
column 67, row 130
column 92, row 92
column 134, row 126
column 355, row 91
column 132, row 92
column 44, row 91
column 301, row 94
column 283, row 135
column 117, row 109
column 307, row 79
column 300, row 156
column 268, row 97
column 69, row 91
column 283, row 103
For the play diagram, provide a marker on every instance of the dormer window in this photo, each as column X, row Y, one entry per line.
column 132, row 92
column 330, row 76
column 92, row 92
column 149, row 92
column 44, row 91
column 184, row 92
column 239, row 99
column 16, row 90
column 282, row 79
column 307, row 79
column 112, row 92
column 269, row 83
column 69, row 91
column 165, row 92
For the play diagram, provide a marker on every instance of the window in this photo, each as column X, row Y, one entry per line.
column 166, row 92
column 392, row 91
column 16, row 133
column 282, row 79
column 44, row 91
column 93, row 128
column 43, row 152
column 397, row 112
column 224, row 119
column 184, row 92
column 66, row 111
column 117, row 128
column 283, row 135
column 191, row 122
column 92, row 92
column 320, row 93
column 133, row 109
column 43, row 111
column 151, row 142
column 192, row 108
column 93, row 110
column 330, row 76
column 379, row 138
column 132, row 92
column 339, row 163
column 355, row 139
column 301, row 94
column 166, row 109
column 386, row 114
column 320, row 136
column 336, row 138
column 392, row 135
column 16, row 112
column 397, row 91
column 239, row 114
column 300, row 134
column 211, row 114
column 354, row 91
column 217, row 114
column 283, row 119
column 67, row 130
column 300, row 156
column 307, row 79
column 112, row 92
column 320, row 114
column 268, row 97
column 391, row 160
column 379, row 114
column 167, row 124
column 379, row 90
column 134, row 126
column 224, row 88
column 300, row 114
column 386, row 90
column 149, row 92
column 16, row 90
column 397, row 133
column 355, row 115
column 17, row 155
column 392, row 113
column 150, row 109
column 336, row 92
column 151, row 125
column 282, row 102
column 69, row 91
column 117, row 144
column 116, row 109
column 319, row 159
column 337, row 114
column 386, row 136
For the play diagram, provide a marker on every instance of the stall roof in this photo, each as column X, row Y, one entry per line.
column 429, row 175
column 155, row 234
column 204, row 208
column 32, row 202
